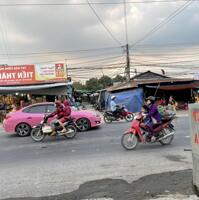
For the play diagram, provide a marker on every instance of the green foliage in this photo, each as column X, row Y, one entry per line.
column 105, row 81
column 119, row 78
column 79, row 86
column 94, row 84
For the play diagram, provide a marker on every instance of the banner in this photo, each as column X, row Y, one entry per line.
column 32, row 74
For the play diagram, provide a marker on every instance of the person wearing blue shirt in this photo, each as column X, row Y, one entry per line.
column 115, row 109
column 113, row 104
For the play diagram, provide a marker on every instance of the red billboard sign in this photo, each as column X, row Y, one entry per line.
column 32, row 74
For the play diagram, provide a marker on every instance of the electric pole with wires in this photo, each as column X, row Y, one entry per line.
column 127, row 68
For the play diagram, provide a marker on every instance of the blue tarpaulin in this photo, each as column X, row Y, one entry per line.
column 131, row 99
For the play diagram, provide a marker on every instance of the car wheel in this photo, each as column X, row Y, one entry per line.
column 83, row 124
column 23, row 129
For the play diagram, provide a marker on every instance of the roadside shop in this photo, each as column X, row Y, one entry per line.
column 22, row 85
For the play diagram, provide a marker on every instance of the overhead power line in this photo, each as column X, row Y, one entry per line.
column 97, row 60
column 91, row 3
column 96, row 66
column 95, row 55
column 168, row 54
column 125, row 21
column 172, row 66
column 106, row 28
column 167, row 63
column 164, row 22
column 67, row 51
column 168, row 45
column 64, row 55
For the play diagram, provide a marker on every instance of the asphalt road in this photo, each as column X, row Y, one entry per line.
column 57, row 165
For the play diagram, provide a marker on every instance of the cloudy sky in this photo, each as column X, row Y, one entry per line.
column 53, row 33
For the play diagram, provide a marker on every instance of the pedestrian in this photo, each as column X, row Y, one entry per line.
column 172, row 103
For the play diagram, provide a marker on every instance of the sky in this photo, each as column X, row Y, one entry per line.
column 92, row 45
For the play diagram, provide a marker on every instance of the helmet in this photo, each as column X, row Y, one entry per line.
column 151, row 98
column 113, row 97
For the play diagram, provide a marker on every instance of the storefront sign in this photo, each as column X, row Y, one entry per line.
column 194, row 125
column 32, row 74
column 194, row 132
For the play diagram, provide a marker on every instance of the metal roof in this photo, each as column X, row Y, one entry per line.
column 42, row 89
column 136, row 83
column 31, row 87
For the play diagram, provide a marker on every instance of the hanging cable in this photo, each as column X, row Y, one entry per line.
column 92, row 3
column 107, row 29
column 163, row 23
column 125, row 21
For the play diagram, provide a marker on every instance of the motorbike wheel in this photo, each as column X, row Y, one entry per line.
column 129, row 141
column 168, row 140
column 107, row 119
column 37, row 135
column 73, row 132
column 129, row 118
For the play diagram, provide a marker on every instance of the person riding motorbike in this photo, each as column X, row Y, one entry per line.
column 115, row 109
column 66, row 114
column 59, row 113
column 146, row 117
column 154, row 114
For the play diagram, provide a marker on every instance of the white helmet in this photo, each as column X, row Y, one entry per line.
column 113, row 97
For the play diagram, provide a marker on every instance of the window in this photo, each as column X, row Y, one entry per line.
column 51, row 108
column 36, row 109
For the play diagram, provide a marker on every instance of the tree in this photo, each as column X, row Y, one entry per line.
column 79, row 86
column 119, row 78
column 105, row 81
column 92, row 84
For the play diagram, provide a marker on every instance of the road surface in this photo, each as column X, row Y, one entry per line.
column 95, row 162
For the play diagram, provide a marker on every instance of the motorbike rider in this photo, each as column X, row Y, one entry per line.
column 154, row 114
column 66, row 114
column 146, row 117
column 114, row 107
column 59, row 113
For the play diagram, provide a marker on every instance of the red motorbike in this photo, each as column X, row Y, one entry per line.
column 122, row 114
column 139, row 133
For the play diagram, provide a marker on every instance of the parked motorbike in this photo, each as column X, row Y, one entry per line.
column 138, row 133
column 123, row 113
column 39, row 132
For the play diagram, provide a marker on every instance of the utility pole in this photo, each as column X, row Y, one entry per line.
column 127, row 69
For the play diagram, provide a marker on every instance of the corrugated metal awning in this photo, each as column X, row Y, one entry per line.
column 175, row 86
column 51, row 89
